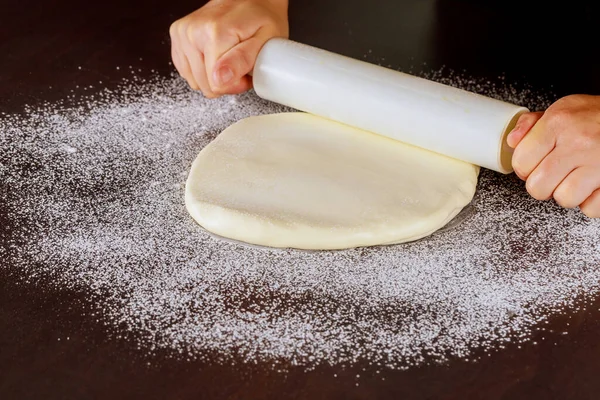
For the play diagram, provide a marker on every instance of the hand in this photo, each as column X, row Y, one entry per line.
column 215, row 47
column 557, row 153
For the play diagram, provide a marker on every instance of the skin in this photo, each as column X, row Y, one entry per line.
column 215, row 47
column 557, row 151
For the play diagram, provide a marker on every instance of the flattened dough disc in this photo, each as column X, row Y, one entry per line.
column 302, row 181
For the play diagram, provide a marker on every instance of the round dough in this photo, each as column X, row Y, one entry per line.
column 302, row 181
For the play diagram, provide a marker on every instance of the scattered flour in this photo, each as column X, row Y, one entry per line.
column 92, row 197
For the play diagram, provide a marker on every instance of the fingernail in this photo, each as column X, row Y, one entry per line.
column 512, row 133
column 224, row 75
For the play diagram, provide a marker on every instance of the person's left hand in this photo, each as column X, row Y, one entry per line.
column 557, row 153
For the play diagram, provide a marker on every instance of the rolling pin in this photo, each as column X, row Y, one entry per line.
column 427, row 114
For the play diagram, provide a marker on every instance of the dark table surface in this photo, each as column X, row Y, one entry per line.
column 43, row 44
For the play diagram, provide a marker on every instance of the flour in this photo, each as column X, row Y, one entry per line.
column 93, row 196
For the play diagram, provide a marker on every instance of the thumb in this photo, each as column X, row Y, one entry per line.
column 233, row 66
column 525, row 122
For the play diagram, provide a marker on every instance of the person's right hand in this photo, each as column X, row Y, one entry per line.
column 215, row 47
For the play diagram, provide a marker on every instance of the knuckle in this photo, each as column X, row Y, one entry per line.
column 564, row 197
column 518, row 164
column 536, row 190
column 564, row 110
column 527, row 119
column 591, row 211
column 243, row 60
column 178, row 28
column 173, row 29
column 181, row 27
column 565, row 194
column 190, row 32
column 519, row 172
column 558, row 117
column 214, row 30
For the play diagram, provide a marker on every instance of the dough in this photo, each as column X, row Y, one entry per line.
column 302, row 181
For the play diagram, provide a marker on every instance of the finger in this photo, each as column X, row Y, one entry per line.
column 577, row 187
column 533, row 148
column 237, row 63
column 179, row 60
column 525, row 122
column 591, row 206
column 183, row 67
column 549, row 174
column 242, row 85
column 219, row 43
column 196, row 61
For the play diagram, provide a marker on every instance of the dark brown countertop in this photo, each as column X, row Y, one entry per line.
column 43, row 46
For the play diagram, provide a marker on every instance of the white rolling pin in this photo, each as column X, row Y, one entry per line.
column 424, row 113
